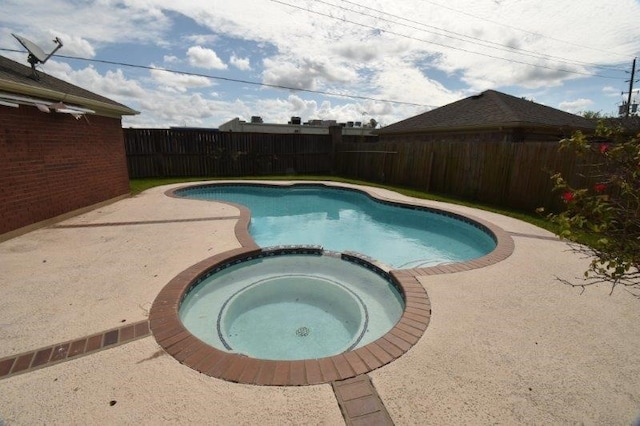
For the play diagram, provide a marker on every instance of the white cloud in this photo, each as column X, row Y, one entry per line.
column 113, row 84
column 288, row 75
column 205, row 58
column 72, row 45
column 173, row 82
column 391, row 50
column 100, row 22
column 280, row 110
column 182, row 109
column 360, row 52
column 243, row 64
column 200, row 39
column 309, row 73
column 611, row 91
column 411, row 85
column 576, row 106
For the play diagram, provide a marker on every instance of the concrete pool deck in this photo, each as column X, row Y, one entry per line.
column 507, row 343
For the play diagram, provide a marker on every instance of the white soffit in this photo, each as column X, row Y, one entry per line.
column 9, row 104
column 9, row 99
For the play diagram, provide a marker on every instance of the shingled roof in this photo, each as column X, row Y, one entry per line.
column 490, row 109
column 16, row 78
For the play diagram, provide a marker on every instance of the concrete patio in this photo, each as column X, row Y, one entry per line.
column 507, row 343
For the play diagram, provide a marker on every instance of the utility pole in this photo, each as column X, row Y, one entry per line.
column 633, row 72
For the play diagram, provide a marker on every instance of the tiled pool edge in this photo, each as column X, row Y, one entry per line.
column 241, row 228
column 176, row 340
column 504, row 248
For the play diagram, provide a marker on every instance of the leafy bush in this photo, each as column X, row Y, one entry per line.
column 605, row 211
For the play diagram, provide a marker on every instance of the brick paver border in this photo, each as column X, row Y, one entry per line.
column 360, row 403
column 66, row 351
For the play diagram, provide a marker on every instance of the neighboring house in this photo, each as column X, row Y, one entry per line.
column 492, row 147
column 61, row 149
column 489, row 116
column 314, row 127
column 630, row 125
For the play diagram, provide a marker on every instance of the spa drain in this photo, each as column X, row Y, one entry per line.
column 302, row 332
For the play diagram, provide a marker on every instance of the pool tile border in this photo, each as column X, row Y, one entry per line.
column 177, row 341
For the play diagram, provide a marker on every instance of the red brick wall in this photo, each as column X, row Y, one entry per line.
column 51, row 164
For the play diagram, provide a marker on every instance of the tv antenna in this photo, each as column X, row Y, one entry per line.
column 36, row 54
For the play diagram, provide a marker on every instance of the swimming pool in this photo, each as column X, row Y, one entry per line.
column 232, row 362
column 339, row 219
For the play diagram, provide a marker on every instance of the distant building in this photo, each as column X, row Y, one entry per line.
column 311, row 127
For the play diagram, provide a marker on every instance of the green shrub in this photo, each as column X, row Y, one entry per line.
column 607, row 210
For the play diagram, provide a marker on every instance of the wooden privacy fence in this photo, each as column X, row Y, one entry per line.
column 203, row 152
column 515, row 175
column 509, row 174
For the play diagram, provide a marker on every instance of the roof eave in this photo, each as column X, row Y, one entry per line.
column 101, row 108
column 484, row 127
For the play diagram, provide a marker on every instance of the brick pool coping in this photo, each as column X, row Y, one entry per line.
column 176, row 340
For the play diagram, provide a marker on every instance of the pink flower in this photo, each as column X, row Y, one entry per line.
column 603, row 148
column 568, row 197
column 600, row 187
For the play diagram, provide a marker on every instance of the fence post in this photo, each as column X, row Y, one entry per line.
column 335, row 136
column 428, row 183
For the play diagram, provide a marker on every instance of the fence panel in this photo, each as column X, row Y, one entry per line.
column 202, row 152
column 515, row 175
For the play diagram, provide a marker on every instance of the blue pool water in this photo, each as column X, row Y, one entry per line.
column 348, row 220
column 293, row 306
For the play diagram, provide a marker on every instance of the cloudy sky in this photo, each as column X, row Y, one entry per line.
column 202, row 63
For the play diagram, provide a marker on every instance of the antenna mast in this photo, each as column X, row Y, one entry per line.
column 633, row 72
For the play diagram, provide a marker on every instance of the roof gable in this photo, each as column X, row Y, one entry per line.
column 486, row 110
column 16, row 78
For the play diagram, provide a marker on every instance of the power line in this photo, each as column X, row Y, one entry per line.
column 467, row 38
column 444, row 45
column 233, row 80
column 520, row 29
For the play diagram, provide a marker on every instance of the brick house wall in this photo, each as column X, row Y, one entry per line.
column 52, row 164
